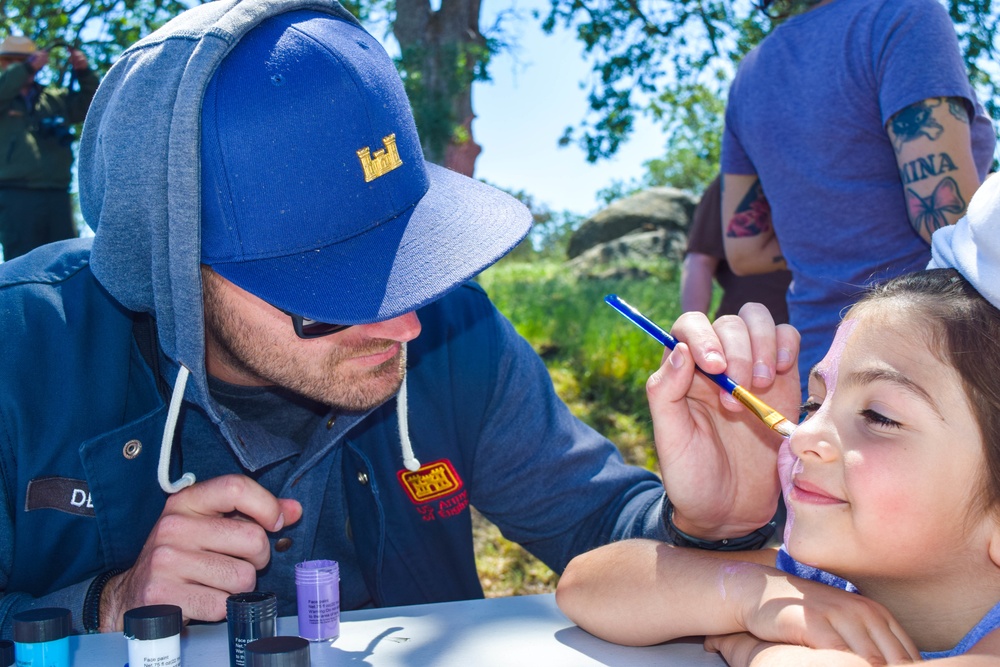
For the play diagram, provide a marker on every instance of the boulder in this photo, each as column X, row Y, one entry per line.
column 663, row 208
column 618, row 258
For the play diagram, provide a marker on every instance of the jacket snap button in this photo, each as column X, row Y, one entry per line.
column 131, row 449
column 362, row 477
column 283, row 544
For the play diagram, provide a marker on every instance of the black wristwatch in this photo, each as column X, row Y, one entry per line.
column 92, row 601
column 754, row 540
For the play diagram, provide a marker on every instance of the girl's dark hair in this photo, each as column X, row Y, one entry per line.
column 964, row 330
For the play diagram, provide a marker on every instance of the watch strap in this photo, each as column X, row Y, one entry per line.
column 753, row 540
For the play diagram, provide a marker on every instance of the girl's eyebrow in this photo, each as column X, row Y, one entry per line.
column 872, row 375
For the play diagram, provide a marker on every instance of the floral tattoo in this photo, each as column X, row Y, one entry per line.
column 753, row 215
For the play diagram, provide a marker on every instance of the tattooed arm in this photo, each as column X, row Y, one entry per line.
column 748, row 237
column 936, row 168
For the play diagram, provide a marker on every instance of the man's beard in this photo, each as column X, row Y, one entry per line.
column 250, row 349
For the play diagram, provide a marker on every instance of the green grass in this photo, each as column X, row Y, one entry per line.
column 599, row 363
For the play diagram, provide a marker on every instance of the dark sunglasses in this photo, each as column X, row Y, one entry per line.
column 306, row 328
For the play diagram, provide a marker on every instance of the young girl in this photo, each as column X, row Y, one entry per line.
column 892, row 484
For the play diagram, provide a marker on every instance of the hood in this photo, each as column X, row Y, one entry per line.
column 140, row 179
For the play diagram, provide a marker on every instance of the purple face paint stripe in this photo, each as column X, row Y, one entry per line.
column 788, row 463
column 827, row 368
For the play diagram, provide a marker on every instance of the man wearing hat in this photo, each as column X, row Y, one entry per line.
column 36, row 143
column 274, row 320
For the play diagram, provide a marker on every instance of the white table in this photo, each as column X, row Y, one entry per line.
column 514, row 631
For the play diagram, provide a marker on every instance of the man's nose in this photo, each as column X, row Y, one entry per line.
column 404, row 328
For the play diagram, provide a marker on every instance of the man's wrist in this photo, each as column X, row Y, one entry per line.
column 92, row 601
column 753, row 540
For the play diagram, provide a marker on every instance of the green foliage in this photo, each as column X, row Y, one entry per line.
column 599, row 357
column 599, row 363
column 101, row 29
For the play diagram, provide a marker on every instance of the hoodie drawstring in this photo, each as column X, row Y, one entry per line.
column 187, row 479
column 409, row 460
column 163, row 469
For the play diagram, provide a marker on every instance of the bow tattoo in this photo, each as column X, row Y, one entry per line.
column 927, row 213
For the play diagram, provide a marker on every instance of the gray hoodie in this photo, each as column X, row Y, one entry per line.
column 140, row 179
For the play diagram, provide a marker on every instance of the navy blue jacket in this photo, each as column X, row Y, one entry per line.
column 81, row 417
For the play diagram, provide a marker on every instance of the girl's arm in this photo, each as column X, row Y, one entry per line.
column 745, row 650
column 641, row 592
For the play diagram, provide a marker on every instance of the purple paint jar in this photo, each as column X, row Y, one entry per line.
column 317, row 586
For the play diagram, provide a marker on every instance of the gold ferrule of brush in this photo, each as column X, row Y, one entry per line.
column 764, row 412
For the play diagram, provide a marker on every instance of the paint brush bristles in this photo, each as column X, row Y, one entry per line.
column 771, row 417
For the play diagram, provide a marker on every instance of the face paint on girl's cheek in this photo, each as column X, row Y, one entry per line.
column 788, row 463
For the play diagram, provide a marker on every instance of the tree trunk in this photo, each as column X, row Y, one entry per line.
column 441, row 53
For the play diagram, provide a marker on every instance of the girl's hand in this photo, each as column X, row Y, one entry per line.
column 791, row 610
column 745, row 650
column 738, row 649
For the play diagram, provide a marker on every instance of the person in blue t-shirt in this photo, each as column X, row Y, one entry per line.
column 852, row 133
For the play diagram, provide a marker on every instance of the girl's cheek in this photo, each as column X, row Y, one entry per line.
column 872, row 479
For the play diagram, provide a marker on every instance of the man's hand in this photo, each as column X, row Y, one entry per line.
column 718, row 461
column 209, row 543
column 37, row 60
column 78, row 59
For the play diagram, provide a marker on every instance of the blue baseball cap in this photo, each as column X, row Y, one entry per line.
column 315, row 193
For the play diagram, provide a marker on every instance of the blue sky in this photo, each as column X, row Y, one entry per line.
column 522, row 113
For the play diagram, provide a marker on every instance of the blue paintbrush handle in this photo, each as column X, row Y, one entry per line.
column 663, row 337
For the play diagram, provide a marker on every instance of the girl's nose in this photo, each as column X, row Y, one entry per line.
column 815, row 438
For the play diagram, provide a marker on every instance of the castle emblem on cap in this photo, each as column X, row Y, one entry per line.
column 385, row 159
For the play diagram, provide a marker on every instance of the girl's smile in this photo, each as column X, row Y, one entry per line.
column 806, row 492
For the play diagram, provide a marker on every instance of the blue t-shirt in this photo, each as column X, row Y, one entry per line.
column 807, row 113
column 989, row 622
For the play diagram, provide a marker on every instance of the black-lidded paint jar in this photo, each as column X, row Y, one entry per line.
column 251, row 616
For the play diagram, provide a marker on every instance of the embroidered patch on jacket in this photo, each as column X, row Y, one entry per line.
column 59, row 493
column 431, row 481
column 383, row 161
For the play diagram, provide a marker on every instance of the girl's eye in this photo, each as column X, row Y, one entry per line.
column 876, row 419
column 807, row 409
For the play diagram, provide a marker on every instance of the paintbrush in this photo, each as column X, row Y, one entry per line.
column 771, row 417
